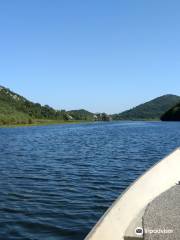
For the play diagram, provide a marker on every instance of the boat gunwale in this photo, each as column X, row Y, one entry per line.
column 94, row 229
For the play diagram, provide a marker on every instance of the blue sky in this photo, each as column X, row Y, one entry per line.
column 95, row 54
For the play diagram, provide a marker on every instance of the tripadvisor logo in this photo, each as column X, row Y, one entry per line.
column 139, row 231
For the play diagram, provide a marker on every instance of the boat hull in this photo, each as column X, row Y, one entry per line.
column 158, row 179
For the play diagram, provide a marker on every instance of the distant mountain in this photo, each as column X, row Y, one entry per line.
column 15, row 109
column 81, row 114
column 151, row 110
column 172, row 115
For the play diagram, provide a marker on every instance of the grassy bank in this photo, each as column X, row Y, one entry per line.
column 41, row 123
column 54, row 122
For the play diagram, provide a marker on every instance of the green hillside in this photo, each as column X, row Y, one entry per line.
column 81, row 114
column 172, row 115
column 15, row 109
column 9, row 114
column 153, row 109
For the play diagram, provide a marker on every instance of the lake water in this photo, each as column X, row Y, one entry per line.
column 56, row 181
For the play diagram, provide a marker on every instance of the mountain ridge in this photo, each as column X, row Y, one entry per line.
column 152, row 109
column 16, row 109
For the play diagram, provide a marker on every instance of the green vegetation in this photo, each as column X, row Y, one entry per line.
column 17, row 110
column 103, row 117
column 151, row 110
column 172, row 115
column 81, row 115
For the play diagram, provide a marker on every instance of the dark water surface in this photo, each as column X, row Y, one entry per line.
column 56, row 181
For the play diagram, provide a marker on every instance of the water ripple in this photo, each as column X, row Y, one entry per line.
column 56, row 181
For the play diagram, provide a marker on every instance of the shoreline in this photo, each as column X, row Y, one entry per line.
column 45, row 123
column 53, row 122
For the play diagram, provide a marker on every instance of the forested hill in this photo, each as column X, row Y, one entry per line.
column 15, row 109
column 172, row 115
column 153, row 109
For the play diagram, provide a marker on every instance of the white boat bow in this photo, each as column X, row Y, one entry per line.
column 126, row 213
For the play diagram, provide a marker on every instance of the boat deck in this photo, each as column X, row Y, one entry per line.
column 149, row 209
column 161, row 219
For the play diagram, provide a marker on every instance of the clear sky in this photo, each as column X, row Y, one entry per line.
column 101, row 55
